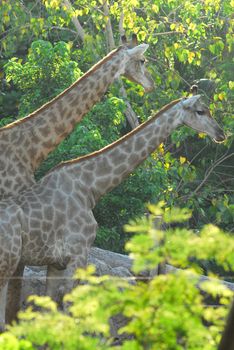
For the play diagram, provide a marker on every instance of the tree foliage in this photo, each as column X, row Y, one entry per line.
column 47, row 72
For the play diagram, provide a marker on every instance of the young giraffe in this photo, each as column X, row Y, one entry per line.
column 52, row 223
column 25, row 143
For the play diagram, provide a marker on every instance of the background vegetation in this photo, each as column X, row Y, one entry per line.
column 46, row 45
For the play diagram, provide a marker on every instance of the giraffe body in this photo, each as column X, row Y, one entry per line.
column 54, row 221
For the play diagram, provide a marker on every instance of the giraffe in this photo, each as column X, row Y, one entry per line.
column 25, row 143
column 52, row 223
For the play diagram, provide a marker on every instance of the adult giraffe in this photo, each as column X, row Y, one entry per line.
column 25, row 143
column 52, row 223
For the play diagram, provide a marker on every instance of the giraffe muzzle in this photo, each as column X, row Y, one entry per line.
column 150, row 88
column 220, row 137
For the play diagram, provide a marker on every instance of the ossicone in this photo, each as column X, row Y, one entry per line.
column 194, row 90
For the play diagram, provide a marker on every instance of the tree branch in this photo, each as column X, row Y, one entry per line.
column 121, row 22
column 62, row 29
column 209, row 171
column 109, row 32
column 129, row 112
column 75, row 21
column 207, row 174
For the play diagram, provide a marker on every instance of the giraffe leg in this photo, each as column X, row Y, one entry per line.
column 10, row 248
column 73, row 255
column 10, row 266
column 14, row 294
column 3, row 294
column 54, row 284
column 61, row 282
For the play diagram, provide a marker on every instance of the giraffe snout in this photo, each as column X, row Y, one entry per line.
column 150, row 88
column 220, row 136
column 150, row 85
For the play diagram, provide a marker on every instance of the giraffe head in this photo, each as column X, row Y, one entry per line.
column 135, row 68
column 197, row 116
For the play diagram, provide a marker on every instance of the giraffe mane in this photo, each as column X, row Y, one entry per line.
column 120, row 140
column 85, row 75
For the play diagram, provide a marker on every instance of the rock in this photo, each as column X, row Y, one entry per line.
column 120, row 271
column 106, row 262
column 101, row 267
column 110, row 258
column 202, row 278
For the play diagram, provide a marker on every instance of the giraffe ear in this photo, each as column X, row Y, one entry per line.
column 194, row 89
column 134, row 41
column 137, row 50
column 123, row 40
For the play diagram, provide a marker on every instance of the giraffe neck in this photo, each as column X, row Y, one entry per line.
column 101, row 171
column 36, row 135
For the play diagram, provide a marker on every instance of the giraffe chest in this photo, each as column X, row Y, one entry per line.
column 51, row 236
column 39, row 248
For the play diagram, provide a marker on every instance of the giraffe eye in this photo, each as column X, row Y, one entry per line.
column 201, row 112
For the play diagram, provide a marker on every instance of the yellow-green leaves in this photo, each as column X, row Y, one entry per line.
column 10, row 342
column 176, row 246
column 217, row 46
column 176, row 215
